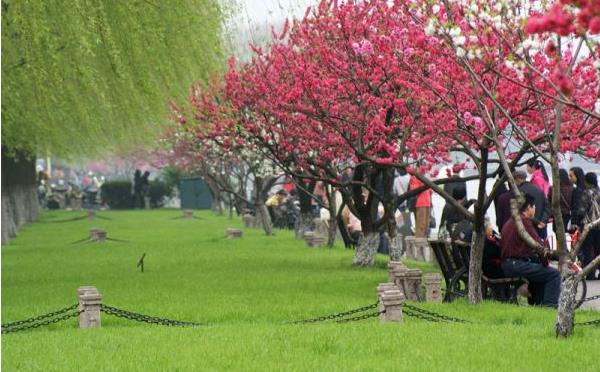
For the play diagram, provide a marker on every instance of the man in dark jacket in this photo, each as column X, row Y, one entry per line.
column 542, row 206
column 520, row 260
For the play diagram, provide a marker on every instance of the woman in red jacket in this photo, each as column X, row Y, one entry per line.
column 423, row 208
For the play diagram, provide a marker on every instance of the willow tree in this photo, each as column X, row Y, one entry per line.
column 83, row 76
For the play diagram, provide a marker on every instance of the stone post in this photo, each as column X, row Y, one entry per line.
column 91, row 214
column 433, row 287
column 248, row 220
column 393, row 267
column 392, row 303
column 89, row 305
column 76, row 203
column 413, row 285
column 188, row 214
column 315, row 241
column 400, row 279
column 146, row 202
column 233, row 233
column 97, row 235
column 320, row 226
column 422, row 249
column 381, row 288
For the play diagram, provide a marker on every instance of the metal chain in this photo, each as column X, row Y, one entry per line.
column 361, row 317
column 46, row 322
column 144, row 318
column 591, row 298
column 420, row 316
column 591, row 322
column 434, row 314
column 40, row 317
column 336, row 315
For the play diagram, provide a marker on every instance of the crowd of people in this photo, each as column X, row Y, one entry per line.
column 508, row 254
column 68, row 188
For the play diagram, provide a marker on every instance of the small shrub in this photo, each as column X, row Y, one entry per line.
column 158, row 191
column 117, row 194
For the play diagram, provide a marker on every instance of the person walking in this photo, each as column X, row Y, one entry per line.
column 422, row 208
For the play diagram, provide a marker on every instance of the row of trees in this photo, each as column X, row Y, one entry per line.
column 358, row 89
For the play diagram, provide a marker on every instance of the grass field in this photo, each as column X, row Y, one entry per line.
column 245, row 291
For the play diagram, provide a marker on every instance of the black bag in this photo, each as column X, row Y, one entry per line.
column 432, row 222
column 411, row 203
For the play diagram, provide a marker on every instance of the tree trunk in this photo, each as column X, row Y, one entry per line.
column 19, row 194
column 262, row 213
column 396, row 248
column 332, row 223
column 366, row 249
column 231, row 206
column 475, row 260
column 566, row 306
column 331, row 229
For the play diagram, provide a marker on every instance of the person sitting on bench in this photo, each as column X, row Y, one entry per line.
column 520, row 260
column 491, row 262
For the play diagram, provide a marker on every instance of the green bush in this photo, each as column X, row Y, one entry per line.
column 158, row 191
column 117, row 194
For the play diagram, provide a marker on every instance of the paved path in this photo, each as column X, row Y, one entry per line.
column 593, row 289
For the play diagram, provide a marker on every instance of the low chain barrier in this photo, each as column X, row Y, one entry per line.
column 110, row 310
column 361, row 317
column 431, row 316
column 42, row 320
column 592, row 298
column 589, row 323
column 338, row 316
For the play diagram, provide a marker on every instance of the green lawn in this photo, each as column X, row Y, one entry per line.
column 245, row 290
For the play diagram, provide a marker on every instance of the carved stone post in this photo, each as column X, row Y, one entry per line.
column 146, row 202
column 89, row 305
column 400, row 279
column 422, row 249
column 91, row 214
column 433, row 287
column 392, row 267
column 413, row 285
column 392, row 303
column 188, row 213
column 381, row 288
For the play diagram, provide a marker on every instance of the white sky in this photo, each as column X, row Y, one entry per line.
column 276, row 10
